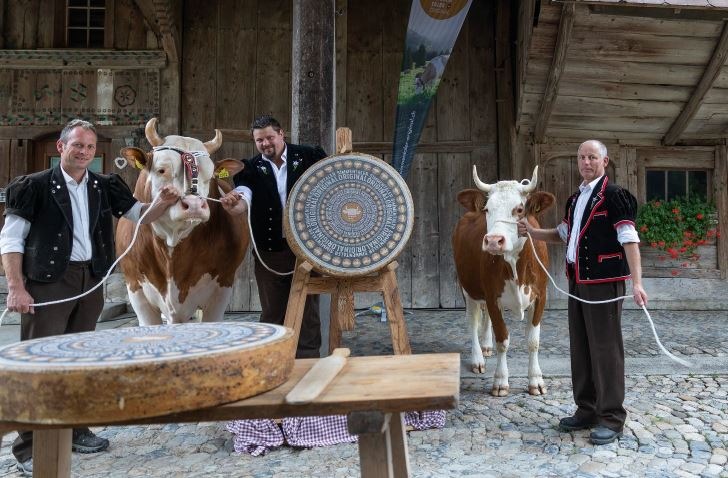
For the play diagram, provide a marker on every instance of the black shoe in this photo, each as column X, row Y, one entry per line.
column 26, row 467
column 84, row 441
column 603, row 435
column 571, row 424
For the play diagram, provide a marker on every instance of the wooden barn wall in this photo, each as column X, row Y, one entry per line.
column 237, row 64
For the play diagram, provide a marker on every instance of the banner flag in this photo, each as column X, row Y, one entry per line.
column 433, row 27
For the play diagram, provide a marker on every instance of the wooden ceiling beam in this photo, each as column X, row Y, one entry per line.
column 717, row 60
column 566, row 24
column 526, row 10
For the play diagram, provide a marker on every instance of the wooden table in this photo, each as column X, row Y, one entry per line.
column 374, row 392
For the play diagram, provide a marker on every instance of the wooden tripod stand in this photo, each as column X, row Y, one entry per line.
column 342, row 302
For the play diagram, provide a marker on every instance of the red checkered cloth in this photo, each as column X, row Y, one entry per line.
column 258, row 436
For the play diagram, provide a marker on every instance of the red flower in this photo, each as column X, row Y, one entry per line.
column 699, row 216
column 674, row 272
column 717, row 234
column 643, row 229
column 661, row 243
column 676, row 211
column 657, row 203
column 653, row 244
column 684, row 264
column 701, row 242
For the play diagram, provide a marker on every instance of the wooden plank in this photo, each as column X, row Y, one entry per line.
column 659, row 259
column 50, row 453
column 567, row 104
column 394, row 30
column 623, row 71
column 46, row 21
column 629, row 46
column 364, row 71
column 648, row 25
column 235, row 103
column 481, row 64
column 199, row 65
column 132, row 18
column 273, row 69
column 453, row 95
column 557, row 64
column 706, row 82
column 19, row 157
column 524, row 27
column 579, row 87
column 720, row 196
column 426, row 237
column 4, row 163
column 80, row 59
column 504, row 90
column 681, row 273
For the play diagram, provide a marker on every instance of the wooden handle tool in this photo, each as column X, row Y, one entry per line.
column 316, row 379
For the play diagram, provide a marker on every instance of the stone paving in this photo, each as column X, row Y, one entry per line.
column 677, row 424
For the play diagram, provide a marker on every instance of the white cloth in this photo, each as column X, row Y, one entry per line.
column 625, row 232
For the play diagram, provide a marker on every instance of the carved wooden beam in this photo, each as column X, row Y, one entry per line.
column 704, row 85
column 525, row 29
column 558, row 62
column 160, row 17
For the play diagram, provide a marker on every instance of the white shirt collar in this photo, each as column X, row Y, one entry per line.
column 591, row 185
column 69, row 179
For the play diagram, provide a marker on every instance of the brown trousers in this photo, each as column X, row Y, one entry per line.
column 597, row 353
column 274, row 290
column 78, row 315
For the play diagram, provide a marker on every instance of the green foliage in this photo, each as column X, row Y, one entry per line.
column 677, row 226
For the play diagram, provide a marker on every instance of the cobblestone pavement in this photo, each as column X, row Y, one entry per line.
column 677, row 424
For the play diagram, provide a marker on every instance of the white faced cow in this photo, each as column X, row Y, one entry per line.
column 432, row 72
column 187, row 258
column 497, row 270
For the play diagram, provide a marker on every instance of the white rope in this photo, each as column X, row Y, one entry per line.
column 252, row 238
column 649, row 318
column 133, row 239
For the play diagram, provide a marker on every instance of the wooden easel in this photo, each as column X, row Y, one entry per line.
column 342, row 290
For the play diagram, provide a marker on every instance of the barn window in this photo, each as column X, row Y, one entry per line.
column 86, row 23
column 666, row 184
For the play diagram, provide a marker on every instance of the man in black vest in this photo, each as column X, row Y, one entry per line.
column 265, row 182
column 58, row 242
column 603, row 249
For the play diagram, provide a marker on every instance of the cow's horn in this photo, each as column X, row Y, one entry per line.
column 480, row 184
column 215, row 143
column 527, row 188
column 151, row 132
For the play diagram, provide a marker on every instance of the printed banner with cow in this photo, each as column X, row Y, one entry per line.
column 433, row 27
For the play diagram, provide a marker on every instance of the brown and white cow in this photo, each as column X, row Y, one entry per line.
column 187, row 258
column 497, row 270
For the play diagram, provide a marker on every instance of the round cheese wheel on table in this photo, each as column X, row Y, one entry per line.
column 135, row 372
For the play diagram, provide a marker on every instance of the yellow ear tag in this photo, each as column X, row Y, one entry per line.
column 223, row 173
column 138, row 165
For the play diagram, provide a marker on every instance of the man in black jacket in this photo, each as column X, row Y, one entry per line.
column 603, row 251
column 265, row 182
column 58, row 242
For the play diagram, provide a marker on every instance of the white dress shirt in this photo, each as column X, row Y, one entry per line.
column 16, row 228
column 281, row 180
column 625, row 232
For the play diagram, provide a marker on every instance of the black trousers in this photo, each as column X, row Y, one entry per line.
column 79, row 315
column 597, row 353
column 274, row 290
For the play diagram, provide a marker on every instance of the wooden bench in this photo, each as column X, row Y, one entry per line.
column 374, row 392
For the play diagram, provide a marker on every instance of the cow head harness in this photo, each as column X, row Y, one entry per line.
column 189, row 161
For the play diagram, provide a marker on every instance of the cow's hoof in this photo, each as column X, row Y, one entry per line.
column 487, row 351
column 537, row 389
column 499, row 391
column 478, row 368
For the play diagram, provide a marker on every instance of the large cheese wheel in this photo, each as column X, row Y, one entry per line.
column 135, row 372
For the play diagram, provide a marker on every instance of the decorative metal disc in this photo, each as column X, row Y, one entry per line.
column 349, row 214
column 138, row 344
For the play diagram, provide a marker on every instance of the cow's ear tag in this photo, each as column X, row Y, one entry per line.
column 223, row 173
column 138, row 165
